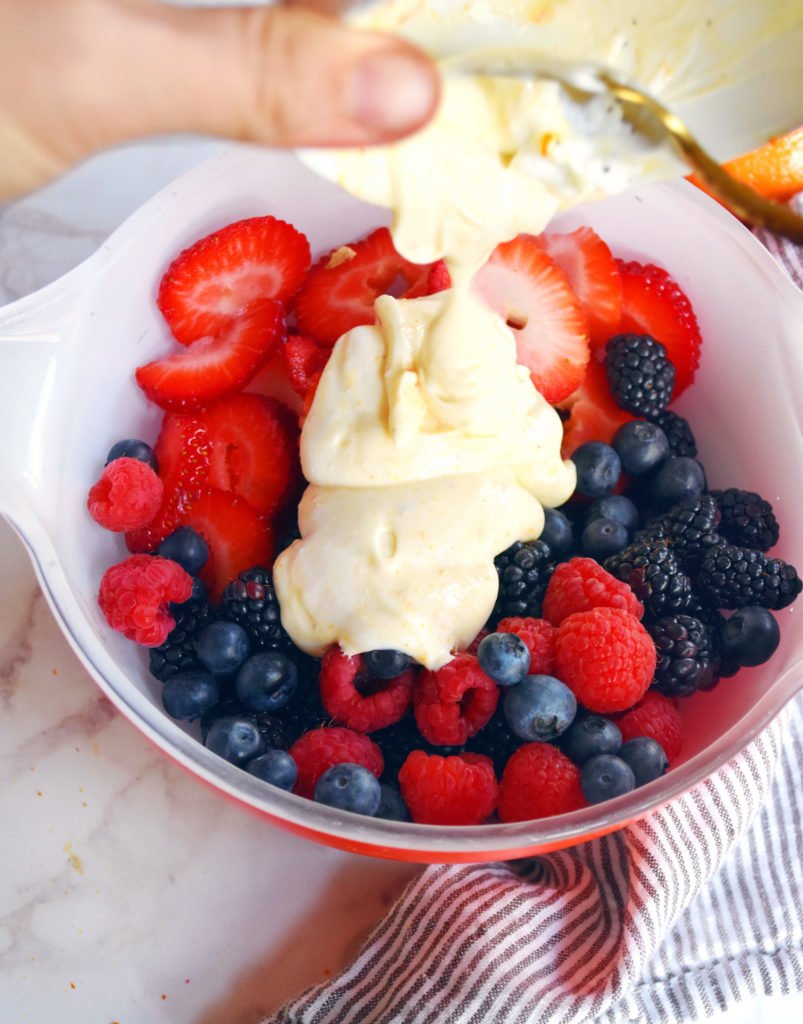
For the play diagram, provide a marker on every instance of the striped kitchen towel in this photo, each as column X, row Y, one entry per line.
column 689, row 911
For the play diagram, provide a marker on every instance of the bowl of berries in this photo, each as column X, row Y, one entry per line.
column 639, row 638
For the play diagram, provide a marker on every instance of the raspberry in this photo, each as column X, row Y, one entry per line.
column 458, row 790
column 657, row 717
column 539, row 636
column 582, row 584
column 606, row 657
column 353, row 697
column 320, row 749
column 127, row 496
column 134, row 595
column 539, row 781
column 455, row 702
column 473, row 647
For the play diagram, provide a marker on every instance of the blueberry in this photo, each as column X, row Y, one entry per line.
column 266, row 681
column 677, row 478
column 557, row 532
column 604, row 537
column 589, row 736
column 235, row 739
column 646, row 758
column 641, row 446
column 386, row 664
column 616, row 507
column 275, row 767
column 504, row 657
column 188, row 695
column 349, row 787
column 131, row 448
column 539, row 708
column 199, row 594
column 605, row 776
column 223, row 647
column 186, row 547
column 749, row 637
column 598, row 468
column 391, row 804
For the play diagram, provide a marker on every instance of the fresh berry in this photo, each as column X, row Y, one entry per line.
column 531, row 294
column 353, row 697
column 655, row 716
column 135, row 595
column 266, row 680
column 641, row 446
column 539, row 637
column 539, row 781
column 540, row 708
column 235, row 739
column 222, row 647
column 598, row 468
column 251, row 602
column 304, row 361
column 132, row 448
column 593, row 276
column 590, row 735
column 582, row 584
column 188, row 695
column 438, row 279
column 455, row 702
column 339, row 292
column 602, row 538
column 686, row 658
column 557, row 533
column 732, row 577
column 459, row 790
column 387, row 664
column 616, row 507
column 675, row 479
column 275, row 767
column 391, row 804
column 606, row 776
column 474, row 646
column 349, row 787
column 653, row 573
column 640, row 376
column 495, row 740
column 320, row 749
column 128, row 496
column 217, row 365
column 186, row 547
column 177, row 653
column 652, row 303
column 213, row 281
column 397, row 741
column 646, row 759
column 592, row 413
column 606, row 657
column 690, row 528
column 678, row 433
column 504, row 657
column 747, row 519
column 524, row 571
column 749, row 637
column 200, row 592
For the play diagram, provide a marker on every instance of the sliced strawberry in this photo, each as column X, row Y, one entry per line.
column 593, row 414
column 210, row 283
column 436, row 279
column 238, row 537
column 305, row 362
column 215, row 366
column 254, row 451
column 593, row 276
column 340, row 290
column 272, row 380
column 525, row 287
column 652, row 303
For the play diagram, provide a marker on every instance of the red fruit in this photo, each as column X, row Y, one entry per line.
column 340, row 290
column 304, row 361
column 657, row 717
column 217, row 365
column 127, row 496
column 438, row 279
column 213, row 281
column 272, row 381
column 539, row 781
column 582, row 584
column 593, row 276
column 320, row 749
column 237, row 535
column 593, row 413
column 539, row 637
column 459, row 790
column 522, row 284
column 473, row 647
column 254, row 451
column 354, row 698
column 652, row 303
column 135, row 596
column 606, row 658
column 455, row 702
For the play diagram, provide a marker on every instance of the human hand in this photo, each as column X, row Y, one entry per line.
column 79, row 75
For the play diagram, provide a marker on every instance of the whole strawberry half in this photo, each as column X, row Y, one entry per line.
column 210, row 283
column 525, row 287
column 593, row 415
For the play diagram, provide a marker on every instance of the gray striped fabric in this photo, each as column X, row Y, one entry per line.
column 687, row 912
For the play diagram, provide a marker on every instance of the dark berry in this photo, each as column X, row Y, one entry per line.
column 616, row 507
column 177, row 653
column 598, row 468
column 495, row 740
column 235, row 739
column 223, row 647
column 504, row 657
column 641, row 446
column 640, row 375
column 589, row 736
column 646, row 758
column 187, row 547
column 686, row 656
column 749, row 637
column 391, row 804
column 732, row 577
column 652, row 572
column 349, row 787
column 606, row 776
column 557, row 533
column 524, row 570
column 188, row 695
column 602, row 538
column 540, row 708
column 275, row 767
column 251, row 602
column 266, row 681
column 690, row 528
column 200, row 592
column 747, row 519
column 131, row 448
column 386, row 664
column 675, row 479
column 678, row 433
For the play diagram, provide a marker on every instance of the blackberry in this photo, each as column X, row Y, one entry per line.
column 640, row 375
column 653, row 574
column 495, row 740
column 747, row 519
column 687, row 659
column 251, row 602
column 678, row 433
column 177, row 653
column 398, row 740
column 525, row 570
column 732, row 577
column 689, row 528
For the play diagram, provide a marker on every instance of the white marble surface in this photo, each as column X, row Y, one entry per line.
column 131, row 892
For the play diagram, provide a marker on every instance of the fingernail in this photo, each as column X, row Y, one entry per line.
column 392, row 92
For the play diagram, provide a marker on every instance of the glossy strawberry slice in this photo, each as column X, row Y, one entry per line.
column 593, row 415
column 237, row 535
column 273, row 381
column 305, row 362
column 215, row 366
column 254, row 451
column 525, row 287
column 593, row 276
column 213, row 281
column 437, row 279
column 653, row 303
